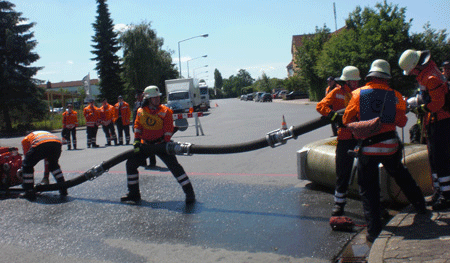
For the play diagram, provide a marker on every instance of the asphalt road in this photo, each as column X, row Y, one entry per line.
column 251, row 206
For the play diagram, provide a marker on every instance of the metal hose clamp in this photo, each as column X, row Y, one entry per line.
column 179, row 148
column 279, row 137
column 94, row 172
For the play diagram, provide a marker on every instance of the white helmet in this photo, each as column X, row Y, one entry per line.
column 350, row 73
column 380, row 68
column 151, row 92
column 410, row 59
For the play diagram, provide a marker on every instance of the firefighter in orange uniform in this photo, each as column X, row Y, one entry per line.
column 374, row 99
column 335, row 100
column 446, row 70
column 107, row 116
column 37, row 146
column 331, row 85
column 122, row 116
column 70, row 123
column 92, row 116
column 154, row 125
column 436, row 112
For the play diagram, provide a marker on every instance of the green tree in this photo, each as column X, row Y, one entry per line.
column 19, row 93
column 105, row 49
column 307, row 57
column 218, row 80
column 233, row 86
column 434, row 40
column 265, row 83
column 144, row 61
column 294, row 83
column 371, row 33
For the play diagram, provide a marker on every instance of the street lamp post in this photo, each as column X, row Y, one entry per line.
column 193, row 59
column 203, row 72
column 179, row 54
column 198, row 68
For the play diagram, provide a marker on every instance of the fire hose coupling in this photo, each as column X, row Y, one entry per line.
column 280, row 136
column 179, row 148
column 95, row 172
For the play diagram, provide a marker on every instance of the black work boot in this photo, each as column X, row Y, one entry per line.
column 131, row 197
column 190, row 195
column 441, row 203
column 30, row 195
column 133, row 194
column 338, row 209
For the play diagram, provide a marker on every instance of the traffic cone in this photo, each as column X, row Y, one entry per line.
column 191, row 110
column 283, row 124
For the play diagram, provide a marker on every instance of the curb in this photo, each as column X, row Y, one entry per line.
column 376, row 254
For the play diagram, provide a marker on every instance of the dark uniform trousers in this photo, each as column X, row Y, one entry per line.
column 368, row 180
column 48, row 150
column 91, row 135
column 121, row 129
column 171, row 162
column 439, row 154
column 344, row 164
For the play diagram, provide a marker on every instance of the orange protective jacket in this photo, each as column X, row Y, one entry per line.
column 92, row 115
column 70, row 119
column 335, row 100
column 329, row 88
column 154, row 125
column 125, row 112
column 394, row 113
column 107, row 114
column 36, row 138
column 436, row 86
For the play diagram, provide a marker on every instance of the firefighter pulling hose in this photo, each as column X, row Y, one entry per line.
column 273, row 139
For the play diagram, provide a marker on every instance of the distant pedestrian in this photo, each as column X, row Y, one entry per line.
column 92, row 116
column 70, row 123
column 122, row 116
column 106, row 116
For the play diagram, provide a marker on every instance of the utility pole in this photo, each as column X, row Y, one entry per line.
column 335, row 23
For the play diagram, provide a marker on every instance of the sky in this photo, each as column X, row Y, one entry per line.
column 246, row 34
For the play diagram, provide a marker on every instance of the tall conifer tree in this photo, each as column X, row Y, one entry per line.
column 105, row 49
column 18, row 90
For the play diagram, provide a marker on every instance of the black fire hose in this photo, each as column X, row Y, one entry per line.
column 273, row 139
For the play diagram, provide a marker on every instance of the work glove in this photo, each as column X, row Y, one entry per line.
column 137, row 146
column 336, row 118
column 420, row 109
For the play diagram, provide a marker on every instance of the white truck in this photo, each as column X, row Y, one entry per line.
column 204, row 95
column 183, row 94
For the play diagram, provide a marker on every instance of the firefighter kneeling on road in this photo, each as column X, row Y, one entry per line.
column 153, row 125
column 40, row 145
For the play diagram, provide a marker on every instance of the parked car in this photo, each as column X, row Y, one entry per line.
column 244, row 97
column 250, row 96
column 296, row 95
column 266, row 97
column 281, row 94
column 258, row 96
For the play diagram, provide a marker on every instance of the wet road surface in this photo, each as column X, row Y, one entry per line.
column 249, row 209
